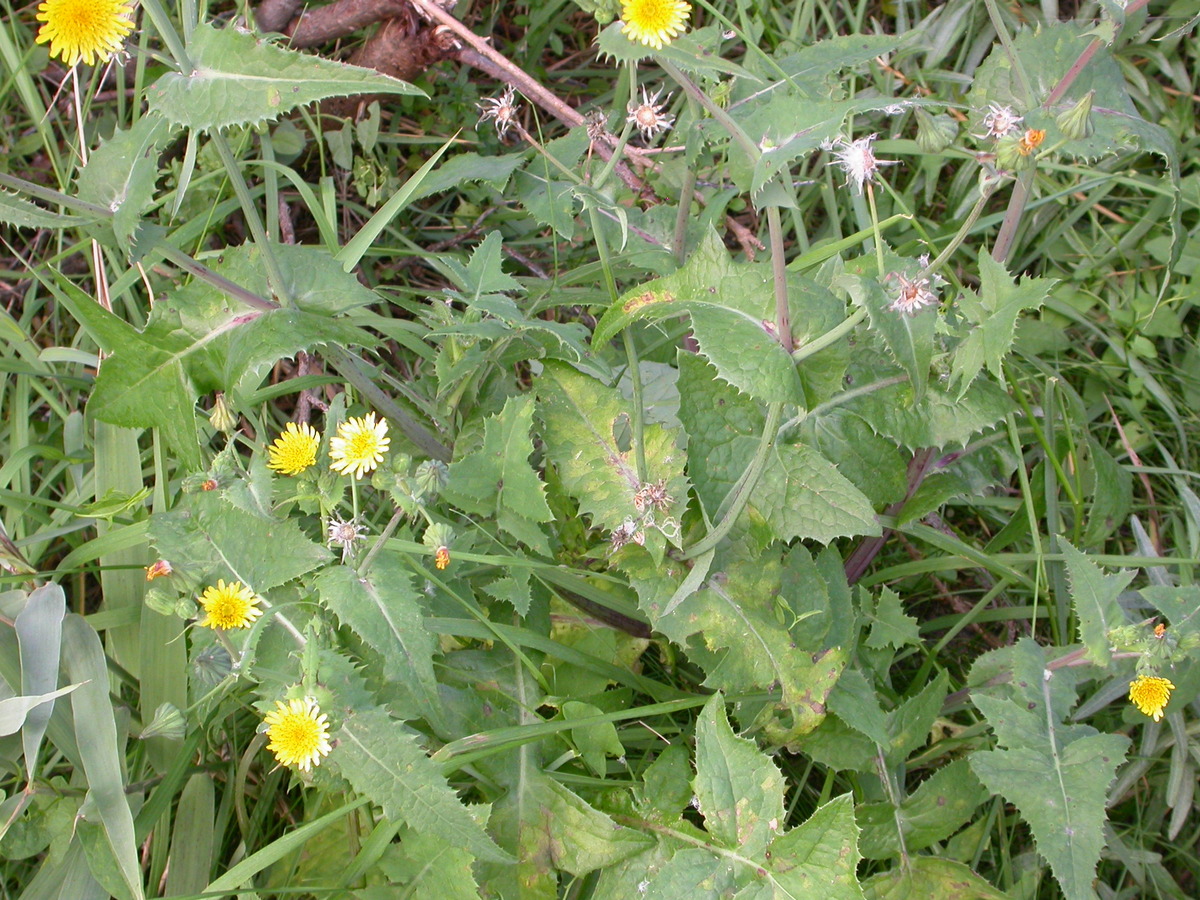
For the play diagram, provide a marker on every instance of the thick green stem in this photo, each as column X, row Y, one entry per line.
column 832, row 336
column 985, row 194
column 727, row 122
column 739, row 496
column 783, row 317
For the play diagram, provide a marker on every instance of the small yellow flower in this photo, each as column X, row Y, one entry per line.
column 158, row 569
column 359, row 446
column 299, row 733
column 1150, row 694
column 294, row 450
column 229, row 606
column 91, row 30
column 654, row 23
column 441, row 557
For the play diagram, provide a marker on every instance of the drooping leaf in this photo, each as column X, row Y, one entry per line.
column 383, row 608
column 1056, row 775
column 992, row 318
column 1094, row 596
column 497, row 480
column 382, row 760
column 237, row 79
column 39, row 634
column 16, row 711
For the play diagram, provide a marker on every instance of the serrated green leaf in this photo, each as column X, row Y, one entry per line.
column 933, row 878
column 236, row 79
column 1094, row 596
column 428, row 869
column 120, row 174
column 1057, row 775
column 483, row 274
column 799, row 494
column 940, row 419
column 497, row 480
column 383, row 608
column 934, row 491
column 380, row 757
column 854, row 701
column 743, row 640
column 739, row 791
column 872, row 463
column 211, row 539
column 543, row 191
column 21, row 213
column 890, row 624
column 493, row 171
column 992, row 316
column 513, row 589
column 732, row 307
column 816, row 859
column 909, row 725
column 908, row 339
column 944, row 802
column 585, row 437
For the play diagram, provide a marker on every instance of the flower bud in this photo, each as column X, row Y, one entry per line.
column 934, row 133
column 1076, row 122
column 222, row 417
column 168, row 722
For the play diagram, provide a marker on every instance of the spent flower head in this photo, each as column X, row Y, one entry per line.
column 1150, row 693
column 1000, row 120
column 88, row 30
column 857, row 159
column 298, row 733
column 648, row 116
column 503, row 109
column 359, row 445
column 914, row 295
column 345, row 534
column 654, row 23
column 294, row 450
column 228, row 606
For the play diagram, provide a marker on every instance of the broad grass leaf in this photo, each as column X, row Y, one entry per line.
column 192, row 838
column 497, row 480
column 383, row 761
column 931, row 878
column 1095, row 598
column 1056, row 775
column 384, row 609
column 96, row 731
column 39, row 634
column 237, row 79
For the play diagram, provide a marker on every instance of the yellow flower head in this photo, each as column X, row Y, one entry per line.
column 298, row 732
column 654, row 22
column 441, row 558
column 294, row 450
column 90, row 30
column 229, row 606
column 359, row 446
column 1150, row 694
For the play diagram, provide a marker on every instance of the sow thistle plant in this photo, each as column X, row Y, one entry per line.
column 574, row 585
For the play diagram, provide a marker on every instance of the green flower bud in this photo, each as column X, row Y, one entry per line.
column 1076, row 122
column 168, row 722
column 934, row 133
column 222, row 417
